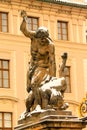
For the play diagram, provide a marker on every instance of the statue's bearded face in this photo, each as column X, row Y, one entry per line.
column 42, row 32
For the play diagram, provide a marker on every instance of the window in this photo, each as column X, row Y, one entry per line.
column 5, row 121
column 62, row 30
column 3, row 22
column 67, row 77
column 33, row 23
column 4, row 73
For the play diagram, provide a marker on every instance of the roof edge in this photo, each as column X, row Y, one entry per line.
column 60, row 2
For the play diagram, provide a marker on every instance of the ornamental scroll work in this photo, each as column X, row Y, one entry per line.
column 83, row 107
column 45, row 90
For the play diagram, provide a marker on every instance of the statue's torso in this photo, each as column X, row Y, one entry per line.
column 40, row 52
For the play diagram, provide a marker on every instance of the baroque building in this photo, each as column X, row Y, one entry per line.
column 66, row 21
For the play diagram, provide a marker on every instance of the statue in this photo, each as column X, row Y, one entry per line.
column 44, row 89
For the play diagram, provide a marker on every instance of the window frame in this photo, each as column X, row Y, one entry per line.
column 2, row 70
column 61, row 30
column 32, row 28
column 3, row 121
column 69, row 77
column 1, row 24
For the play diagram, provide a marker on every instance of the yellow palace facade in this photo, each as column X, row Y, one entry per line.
column 67, row 25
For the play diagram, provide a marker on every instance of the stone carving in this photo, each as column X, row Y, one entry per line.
column 44, row 89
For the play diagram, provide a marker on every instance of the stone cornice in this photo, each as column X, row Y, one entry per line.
column 66, row 3
column 46, row 6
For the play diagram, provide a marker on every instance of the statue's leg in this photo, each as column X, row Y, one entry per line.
column 45, row 97
column 28, row 82
column 29, row 101
column 37, row 79
column 37, row 96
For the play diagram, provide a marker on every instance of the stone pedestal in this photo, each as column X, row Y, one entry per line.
column 50, row 120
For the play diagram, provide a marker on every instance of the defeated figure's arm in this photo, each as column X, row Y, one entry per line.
column 62, row 66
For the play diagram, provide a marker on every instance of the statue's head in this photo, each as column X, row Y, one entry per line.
column 42, row 32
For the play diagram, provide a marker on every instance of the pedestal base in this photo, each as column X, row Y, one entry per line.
column 50, row 120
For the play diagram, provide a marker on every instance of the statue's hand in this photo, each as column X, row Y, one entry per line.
column 64, row 55
column 23, row 14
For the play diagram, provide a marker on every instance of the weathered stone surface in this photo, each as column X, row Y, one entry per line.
column 39, row 115
column 51, row 120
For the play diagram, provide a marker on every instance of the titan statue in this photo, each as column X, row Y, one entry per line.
column 44, row 89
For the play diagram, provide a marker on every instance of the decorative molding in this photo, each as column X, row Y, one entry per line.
column 67, row 3
column 63, row 11
column 7, row 1
column 34, row 6
column 9, row 98
column 73, row 102
column 40, row 7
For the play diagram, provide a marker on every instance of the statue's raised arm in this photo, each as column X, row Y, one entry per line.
column 23, row 14
column 24, row 26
